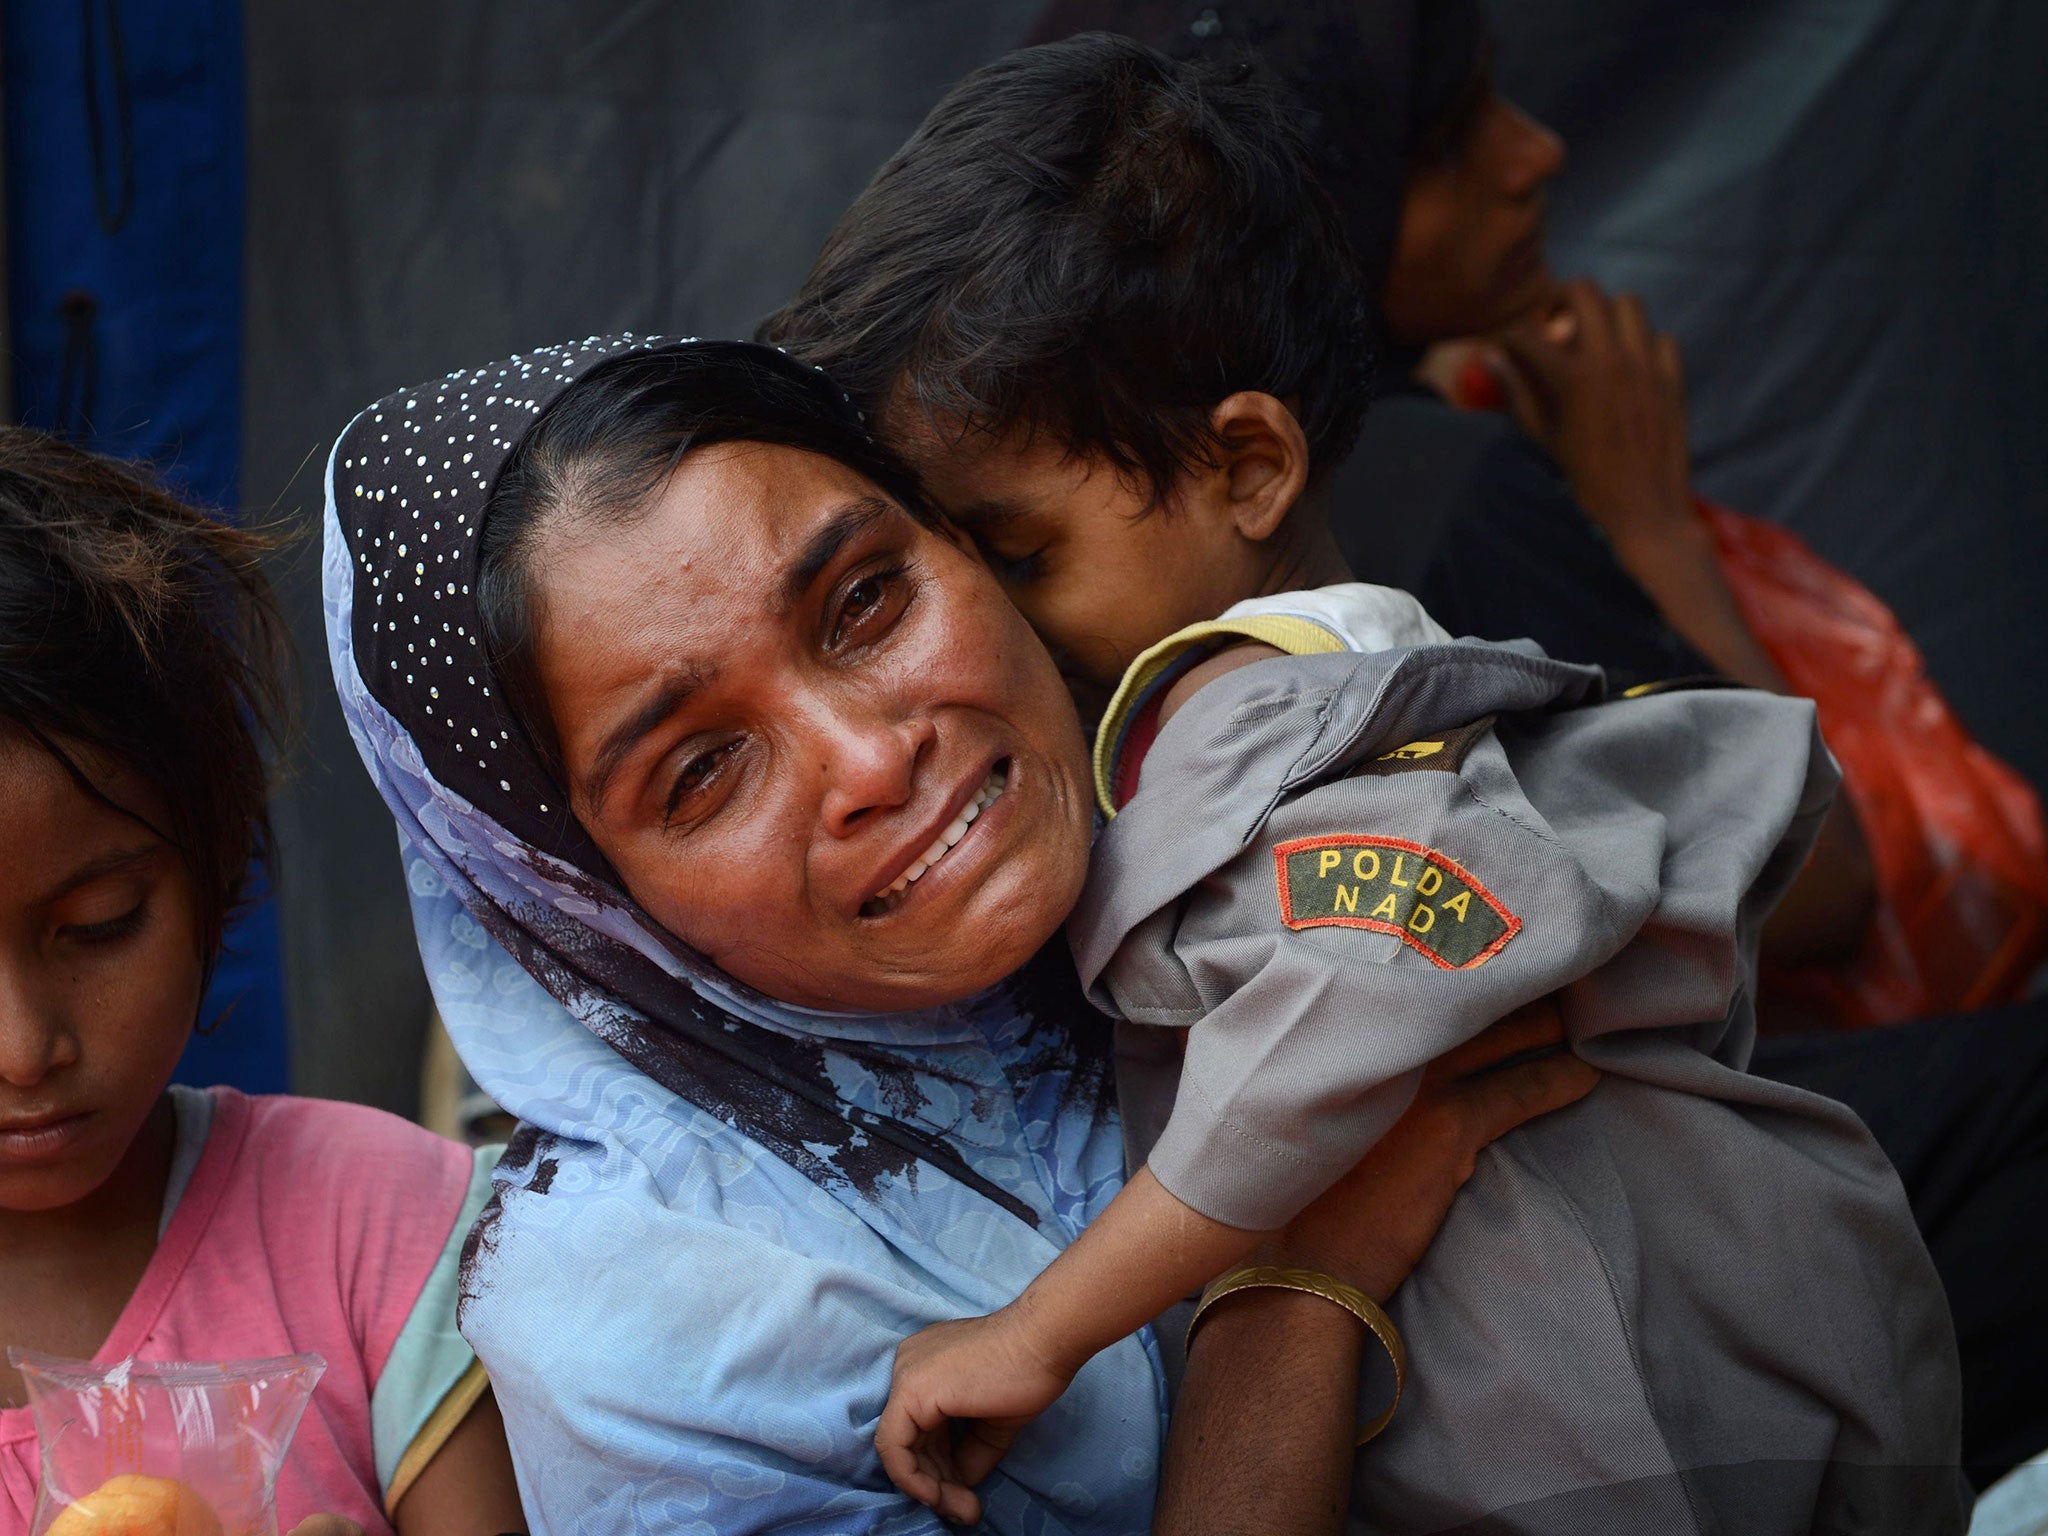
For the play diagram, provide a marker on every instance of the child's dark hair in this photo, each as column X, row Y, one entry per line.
column 138, row 629
column 604, row 448
column 1090, row 239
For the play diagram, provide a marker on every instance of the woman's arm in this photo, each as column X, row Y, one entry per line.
column 1262, row 1439
column 1604, row 394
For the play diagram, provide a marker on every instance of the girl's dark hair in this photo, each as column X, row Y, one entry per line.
column 144, row 631
column 602, row 451
column 1094, row 240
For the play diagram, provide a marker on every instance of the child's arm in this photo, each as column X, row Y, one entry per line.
column 1140, row 1256
column 468, row 1489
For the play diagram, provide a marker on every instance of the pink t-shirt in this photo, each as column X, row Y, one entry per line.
column 307, row 1226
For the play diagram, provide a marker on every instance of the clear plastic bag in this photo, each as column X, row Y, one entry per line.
column 163, row 1448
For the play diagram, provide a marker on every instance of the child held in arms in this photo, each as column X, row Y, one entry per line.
column 142, row 668
column 1101, row 305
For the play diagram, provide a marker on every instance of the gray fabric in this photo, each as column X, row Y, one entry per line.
column 1692, row 1270
column 1665, row 1311
column 1640, row 844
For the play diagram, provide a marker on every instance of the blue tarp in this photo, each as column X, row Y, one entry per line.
column 124, row 167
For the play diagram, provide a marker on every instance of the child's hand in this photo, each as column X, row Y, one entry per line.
column 988, row 1371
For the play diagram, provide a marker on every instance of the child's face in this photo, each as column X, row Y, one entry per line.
column 1100, row 571
column 99, row 973
column 775, row 694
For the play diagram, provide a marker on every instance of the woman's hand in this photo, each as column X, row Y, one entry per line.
column 1604, row 393
column 1373, row 1226
column 1591, row 382
column 1262, row 1439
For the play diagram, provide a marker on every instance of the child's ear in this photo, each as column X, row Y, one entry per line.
column 956, row 536
column 1265, row 460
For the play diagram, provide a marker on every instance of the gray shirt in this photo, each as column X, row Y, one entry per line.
column 1338, row 866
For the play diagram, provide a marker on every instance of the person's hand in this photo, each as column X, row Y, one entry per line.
column 325, row 1525
column 1374, row 1225
column 1605, row 394
column 987, row 1371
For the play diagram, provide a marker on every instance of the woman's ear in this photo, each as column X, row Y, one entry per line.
column 1264, row 460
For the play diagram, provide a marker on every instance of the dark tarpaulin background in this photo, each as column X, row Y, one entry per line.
column 124, row 160
column 1838, row 205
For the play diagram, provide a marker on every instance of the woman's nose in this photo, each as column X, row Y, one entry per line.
column 1535, row 154
column 34, row 1041
column 871, row 768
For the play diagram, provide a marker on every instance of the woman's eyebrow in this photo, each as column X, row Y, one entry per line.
column 823, row 547
column 622, row 738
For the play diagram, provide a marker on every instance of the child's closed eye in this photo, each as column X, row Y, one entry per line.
column 1013, row 566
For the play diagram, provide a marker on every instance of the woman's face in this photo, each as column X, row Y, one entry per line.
column 1469, row 257
column 812, row 736
column 99, row 973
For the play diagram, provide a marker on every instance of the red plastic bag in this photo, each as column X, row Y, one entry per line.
column 1956, row 835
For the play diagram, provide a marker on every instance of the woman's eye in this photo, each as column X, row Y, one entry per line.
column 868, row 601
column 696, row 774
column 863, row 597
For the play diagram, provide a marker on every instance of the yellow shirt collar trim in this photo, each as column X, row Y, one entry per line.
column 1284, row 632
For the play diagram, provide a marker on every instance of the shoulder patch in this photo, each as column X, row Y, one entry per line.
column 1424, row 898
column 1444, row 753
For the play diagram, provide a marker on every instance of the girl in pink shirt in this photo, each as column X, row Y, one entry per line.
column 140, row 659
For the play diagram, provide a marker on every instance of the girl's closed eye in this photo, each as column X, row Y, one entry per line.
column 108, row 930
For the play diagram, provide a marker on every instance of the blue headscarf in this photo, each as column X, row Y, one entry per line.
column 722, row 1211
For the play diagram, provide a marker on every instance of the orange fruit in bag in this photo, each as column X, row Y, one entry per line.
column 138, row 1506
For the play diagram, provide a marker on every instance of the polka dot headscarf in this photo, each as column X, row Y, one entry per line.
column 408, row 484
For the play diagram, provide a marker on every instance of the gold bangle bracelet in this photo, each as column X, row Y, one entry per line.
column 1314, row 1283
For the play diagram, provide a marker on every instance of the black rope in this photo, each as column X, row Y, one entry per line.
column 113, row 188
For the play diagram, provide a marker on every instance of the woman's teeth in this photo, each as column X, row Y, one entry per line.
column 984, row 797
